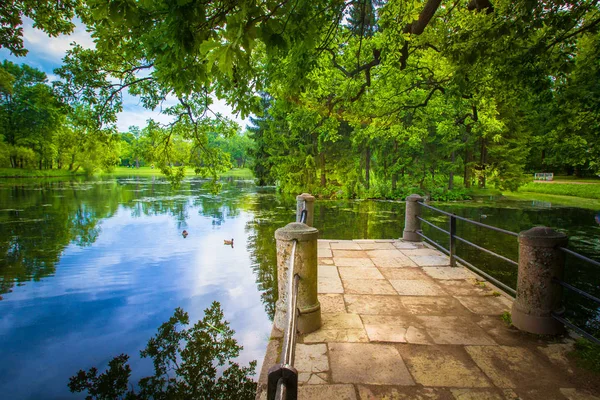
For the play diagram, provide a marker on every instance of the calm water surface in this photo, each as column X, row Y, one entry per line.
column 90, row 269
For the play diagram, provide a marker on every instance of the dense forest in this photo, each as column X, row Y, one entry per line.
column 365, row 98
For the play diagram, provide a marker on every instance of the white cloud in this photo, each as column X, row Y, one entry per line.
column 54, row 48
column 46, row 53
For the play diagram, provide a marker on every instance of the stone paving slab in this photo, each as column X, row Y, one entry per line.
column 402, row 273
column 360, row 273
column 412, row 287
column 454, row 330
column 374, row 304
column 486, row 305
column 338, row 327
column 393, row 262
column 428, row 261
column 327, row 392
column 352, row 262
column 324, row 252
column 332, row 303
column 443, row 366
column 329, row 280
column 386, row 328
column 368, row 286
column 345, row 245
column 465, row 287
column 432, row 305
column 376, row 246
column 421, row 251
column 375, row 392
column 377, row 364
column 349, row 253
column 448, row 273
column 512, row 367
column 399, row 323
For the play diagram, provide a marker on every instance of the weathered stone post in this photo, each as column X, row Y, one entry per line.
column 540, row 260
column 412, row 225
column 305, row 265
column 308, row 201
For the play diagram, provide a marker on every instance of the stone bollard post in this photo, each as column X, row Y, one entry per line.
column 540, row 260
column 308, row 201
column 411, row 224
column 305, row 265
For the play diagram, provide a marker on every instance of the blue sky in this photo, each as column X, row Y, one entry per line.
column 46, row 53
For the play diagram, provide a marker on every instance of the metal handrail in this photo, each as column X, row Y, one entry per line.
column 493, row 228
column 580, row 256
column 286, row 385
column 513, row 292
column 577, row 329
column 508, row 260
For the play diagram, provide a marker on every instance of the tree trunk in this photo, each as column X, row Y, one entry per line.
column 323, row 171
column 368, row 168
column 394, row 181
column 482, row 162
column 451, row 174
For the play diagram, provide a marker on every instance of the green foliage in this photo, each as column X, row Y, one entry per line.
column 51, row 16
column 186, row 363
column 507, row 318
column 587, row 354
column 352, row 99
column 589, row 191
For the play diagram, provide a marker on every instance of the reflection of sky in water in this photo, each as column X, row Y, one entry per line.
column 109, row 298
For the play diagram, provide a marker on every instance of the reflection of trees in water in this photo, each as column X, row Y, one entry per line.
column 269, row 215
column 46, row 218
column 227, row 204
column 43, row 218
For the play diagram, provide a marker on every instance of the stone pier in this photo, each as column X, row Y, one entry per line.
column 399, row 323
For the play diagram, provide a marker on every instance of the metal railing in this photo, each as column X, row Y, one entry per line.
column 452, row 245
column 580, row 292
column 282, row 382
column 451, row 252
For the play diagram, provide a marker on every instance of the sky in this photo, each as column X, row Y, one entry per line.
column 46, row 54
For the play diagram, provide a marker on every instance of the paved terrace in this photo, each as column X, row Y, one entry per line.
column 399, row 323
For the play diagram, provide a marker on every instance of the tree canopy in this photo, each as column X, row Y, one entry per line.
column 364, row 96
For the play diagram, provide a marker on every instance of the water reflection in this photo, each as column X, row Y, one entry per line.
column 104, row 264
column 90, row 269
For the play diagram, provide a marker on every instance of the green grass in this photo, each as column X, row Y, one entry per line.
column 569, row 201
column 571, row 178
column 507, row 318
column 36, row 173
column 479, row 192
column 240, row 173
column 563, row 189
column 587, row 355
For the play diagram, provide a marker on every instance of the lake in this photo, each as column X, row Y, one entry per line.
column 90, row 268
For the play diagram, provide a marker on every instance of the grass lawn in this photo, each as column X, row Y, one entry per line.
column 36, row 173
column 479, row 192
column 569, row 201
column 572, row 178
column 590, row 191
column 241, row 173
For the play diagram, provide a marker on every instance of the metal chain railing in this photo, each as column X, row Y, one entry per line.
column 451, row 252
